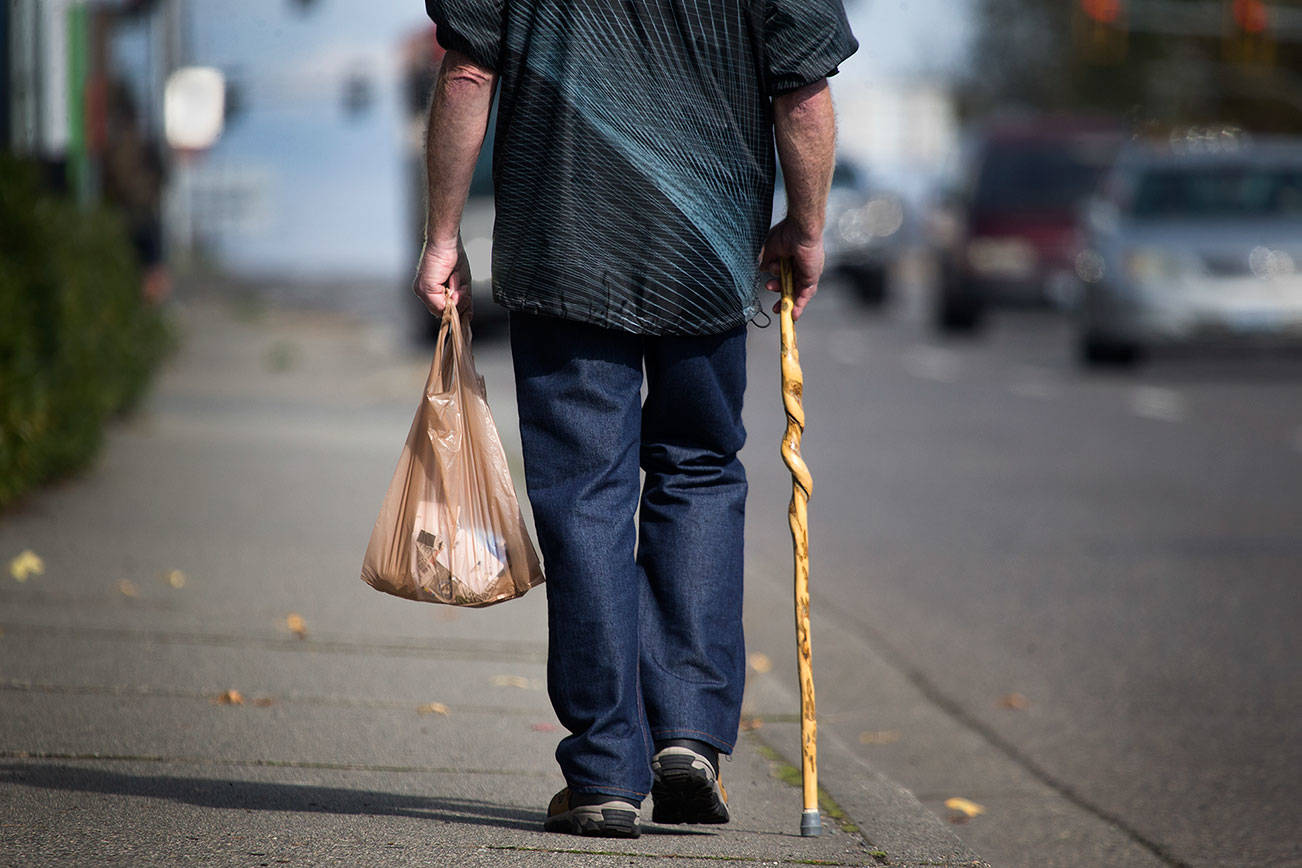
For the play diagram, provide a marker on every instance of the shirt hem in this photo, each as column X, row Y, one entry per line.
column 633, row 325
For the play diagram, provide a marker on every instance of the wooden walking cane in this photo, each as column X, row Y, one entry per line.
column 802, row 485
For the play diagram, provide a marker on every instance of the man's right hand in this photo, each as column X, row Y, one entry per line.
column 786, row 240
column 444, row 273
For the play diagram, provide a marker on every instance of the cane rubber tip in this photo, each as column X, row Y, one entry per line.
column 811, row 824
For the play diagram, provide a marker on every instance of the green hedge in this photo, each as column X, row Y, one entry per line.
column 77, row 342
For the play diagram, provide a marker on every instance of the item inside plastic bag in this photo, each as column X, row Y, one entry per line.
column 450, row 529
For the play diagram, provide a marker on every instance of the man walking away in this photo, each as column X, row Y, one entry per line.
column 633, row 178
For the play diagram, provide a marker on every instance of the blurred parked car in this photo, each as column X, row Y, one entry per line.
column 863, row 235
column 1193, row 241
column 1011, row 222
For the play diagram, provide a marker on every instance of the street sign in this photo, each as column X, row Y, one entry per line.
column 194, row 107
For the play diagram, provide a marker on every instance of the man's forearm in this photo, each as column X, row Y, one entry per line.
column 805, row 129
column 458, row 119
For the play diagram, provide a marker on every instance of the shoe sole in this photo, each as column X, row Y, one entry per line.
column 684, row 792
column 595, row 821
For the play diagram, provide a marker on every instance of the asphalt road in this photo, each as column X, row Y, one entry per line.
column 1072, row 598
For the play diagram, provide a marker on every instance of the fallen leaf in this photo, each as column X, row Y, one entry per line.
column 264, row 701
column 127, row 588
column 750, row 724
column 230, row 697
column 296, row 625
column 175, row 578
column 1015, row 701
column 965, row 807
column 760, row 662
column 879, row 736
column 27, row 564
column 544, row 727
column 432, row 708
column 511, row 681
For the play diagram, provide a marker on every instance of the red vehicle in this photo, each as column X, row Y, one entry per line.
column 1015, row 214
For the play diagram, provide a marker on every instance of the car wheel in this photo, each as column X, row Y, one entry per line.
column 869, row 283
column 1100, row 351
column 959, row 312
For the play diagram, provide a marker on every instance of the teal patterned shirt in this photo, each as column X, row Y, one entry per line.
column 634, row 161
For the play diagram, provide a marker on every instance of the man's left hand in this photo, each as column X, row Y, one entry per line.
column 443, row 274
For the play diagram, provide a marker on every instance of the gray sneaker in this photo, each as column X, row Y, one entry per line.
column 686, row 788
column 592, row 815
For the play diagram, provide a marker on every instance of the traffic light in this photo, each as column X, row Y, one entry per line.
column 1100, row 31
column 1250, row 39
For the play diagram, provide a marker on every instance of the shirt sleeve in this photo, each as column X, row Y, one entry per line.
column 804, row 40
column 472, row 27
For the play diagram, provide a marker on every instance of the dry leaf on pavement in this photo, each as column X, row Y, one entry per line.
column 175, row 578
column 512, row 681
column 879, row 736
column 964, row 809
column 230, row 697
column 1015, row 701
column 750, row 724
column 264, row 701
column 544, row 727
column 432, row 708
column 296, row 625
column 127, row 588
column 760, row 662
column 27, row 564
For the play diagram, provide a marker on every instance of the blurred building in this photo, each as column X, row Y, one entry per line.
column 904, row 128
column 62, row 82
column 1162, row 64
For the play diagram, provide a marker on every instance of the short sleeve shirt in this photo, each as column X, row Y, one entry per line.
column 634, row 161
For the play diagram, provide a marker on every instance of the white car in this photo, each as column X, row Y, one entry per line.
column 1195, row 240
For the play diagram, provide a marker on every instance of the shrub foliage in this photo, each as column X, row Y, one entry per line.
column 77, row 342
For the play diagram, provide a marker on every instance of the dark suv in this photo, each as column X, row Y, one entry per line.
column 1014, row 214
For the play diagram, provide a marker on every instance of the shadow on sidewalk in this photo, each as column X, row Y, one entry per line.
column 265, row 796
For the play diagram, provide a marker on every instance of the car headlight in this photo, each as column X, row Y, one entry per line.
column 880, row 217
column 1001, row 257
column 1153, row 265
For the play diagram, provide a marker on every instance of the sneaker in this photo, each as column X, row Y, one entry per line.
column 592, row 814
column 686, row 788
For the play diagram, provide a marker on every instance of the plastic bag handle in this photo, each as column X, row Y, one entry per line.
column 451, row 320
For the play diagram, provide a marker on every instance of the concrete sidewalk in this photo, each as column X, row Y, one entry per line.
column 200, row 676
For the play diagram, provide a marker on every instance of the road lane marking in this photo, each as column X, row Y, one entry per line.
column 1154, row 402
column 932, row 363
column 1035, row 388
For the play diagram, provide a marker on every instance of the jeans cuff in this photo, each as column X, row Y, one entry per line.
column 721, row 745
column 614, row 792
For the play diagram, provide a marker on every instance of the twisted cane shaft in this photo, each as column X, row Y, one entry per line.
column 802, row 485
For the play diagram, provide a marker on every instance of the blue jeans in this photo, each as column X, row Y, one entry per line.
column 644, row 605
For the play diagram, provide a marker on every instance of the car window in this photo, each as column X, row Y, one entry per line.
column 1035, row 176
column 1218, row 191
